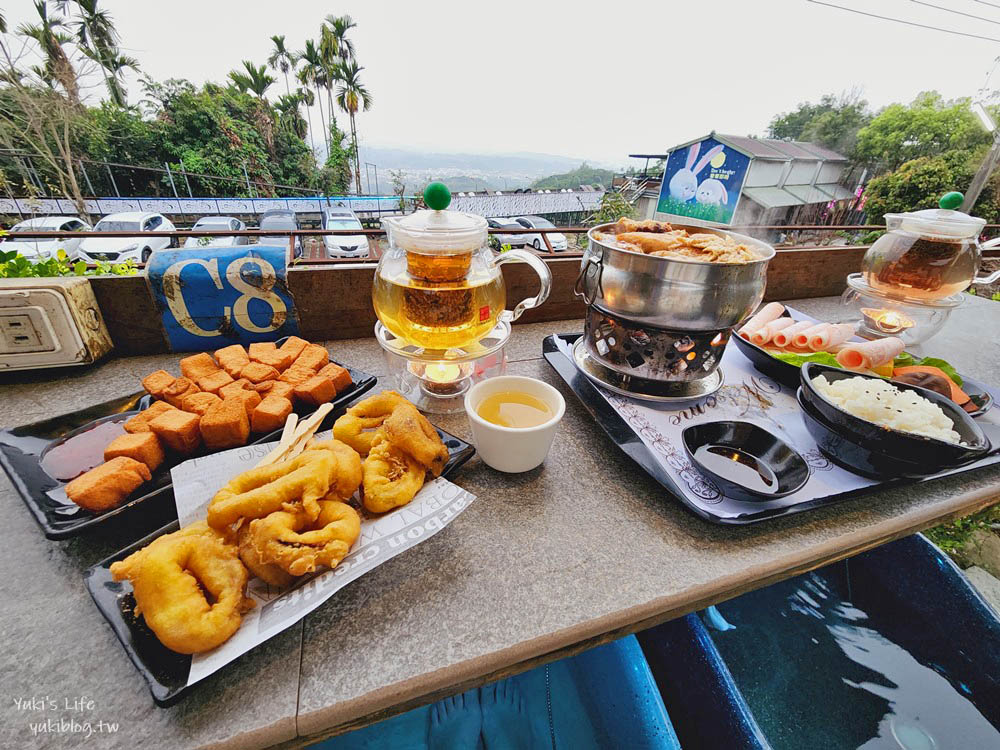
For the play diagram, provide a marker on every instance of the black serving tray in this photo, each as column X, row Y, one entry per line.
column 557, row 350
column 788, row 374
column 22, row 449
column 164, row 670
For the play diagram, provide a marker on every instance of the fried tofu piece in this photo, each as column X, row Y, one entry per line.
column 140, row 422
column 108, row 485
column 212, row 383
column 250, row 400
column 280, row 388
column 258, row 348
column 144, row 447
column 339, row 375
column 228, row 391
column 317, row 390
column 225, row 425
column 232, row 359
column 157, row 382
column 198, row 366
column 178, row 430
column 294, row 346
column 262, row 387
column 176, row 391
column 277, row 359
column 255, row 372
column 198, row 403
column 270, row 414
column 296, row 375
column 313, row 356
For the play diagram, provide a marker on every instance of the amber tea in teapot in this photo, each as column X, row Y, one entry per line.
column 439, row 286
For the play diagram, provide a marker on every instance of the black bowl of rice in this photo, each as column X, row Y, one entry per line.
column 925, row 431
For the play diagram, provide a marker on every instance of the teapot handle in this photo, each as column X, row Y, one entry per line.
column 989, row 278
column 544, row 278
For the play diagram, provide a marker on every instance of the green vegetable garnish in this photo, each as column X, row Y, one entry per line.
column 824, row 358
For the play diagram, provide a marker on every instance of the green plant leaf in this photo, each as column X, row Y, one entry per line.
column 908, row 360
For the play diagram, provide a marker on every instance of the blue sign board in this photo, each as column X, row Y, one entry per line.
column 703, row 181
column 213, row 297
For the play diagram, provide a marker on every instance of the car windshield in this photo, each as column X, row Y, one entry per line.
column 544, row 223
column 277, row 222
column 116, row 226
column 216, row 224
column 343, row 224
column 25, row 227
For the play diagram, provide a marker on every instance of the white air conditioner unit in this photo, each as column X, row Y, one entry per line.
column 50, row 323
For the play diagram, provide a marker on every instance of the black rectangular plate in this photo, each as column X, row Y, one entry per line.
column 557, row 350
column 164, row 670
column 21, row 450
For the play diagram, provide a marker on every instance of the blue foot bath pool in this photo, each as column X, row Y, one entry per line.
column 602, row 698
column 890, row 649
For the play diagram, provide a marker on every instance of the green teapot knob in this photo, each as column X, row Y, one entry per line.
column 951, row 201
column 437, row 196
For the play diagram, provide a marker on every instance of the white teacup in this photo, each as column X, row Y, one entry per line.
column 513, row 449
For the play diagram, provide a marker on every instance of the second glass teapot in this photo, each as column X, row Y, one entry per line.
column 439, row 285
column 929, row 254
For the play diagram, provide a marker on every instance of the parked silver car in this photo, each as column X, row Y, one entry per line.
column 149, row 228
column 217, row 224
column 343, row 245
column 39, row 249
column 557, row 239
column 501, row 238
column 277, row 220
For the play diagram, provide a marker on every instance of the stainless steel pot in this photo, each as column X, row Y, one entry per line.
column 673, row 294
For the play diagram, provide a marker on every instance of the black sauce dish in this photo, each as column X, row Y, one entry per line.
column 787, row 469
column 880, row 452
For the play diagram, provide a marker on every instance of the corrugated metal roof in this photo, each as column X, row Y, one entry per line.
column 771, row 197
column 793, row 149
column 757, row 147
column 837, row 192
column 820, row 151
column 808, row 193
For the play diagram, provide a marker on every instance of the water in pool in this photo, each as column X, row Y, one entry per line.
column 820, row 671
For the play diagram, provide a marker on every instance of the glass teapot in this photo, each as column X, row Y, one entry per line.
column 929, row 254
column 439, row 286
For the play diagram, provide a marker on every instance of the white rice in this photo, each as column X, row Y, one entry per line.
column 884, row 404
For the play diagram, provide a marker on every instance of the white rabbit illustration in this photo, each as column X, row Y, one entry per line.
column 712, row 192
column 684, row 184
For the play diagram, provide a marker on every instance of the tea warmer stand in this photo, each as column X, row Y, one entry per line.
column 436, row 380
column 879, row 314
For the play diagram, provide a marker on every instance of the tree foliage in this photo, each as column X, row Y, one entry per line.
column 833, row 122
column 928, row 126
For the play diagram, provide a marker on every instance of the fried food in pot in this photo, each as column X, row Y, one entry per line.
column 301, row 481
column 391, row 478
column 358, row 425
column 189, row 586
column 284, row 545
column 411, row 432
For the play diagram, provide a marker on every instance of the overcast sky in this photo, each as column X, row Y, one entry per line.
column 585, row 79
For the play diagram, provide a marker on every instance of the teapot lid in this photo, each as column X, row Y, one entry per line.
column 437, row 230
column 944, row 221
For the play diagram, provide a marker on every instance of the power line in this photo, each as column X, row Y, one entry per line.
column 983, row 2
column 956, row 12
column 908, row 23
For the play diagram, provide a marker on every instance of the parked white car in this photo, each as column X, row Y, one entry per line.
column 217, row 224
column 501, row 237
column 39, row 249
column 557, row 240
column 343, row 245
column 148, row 228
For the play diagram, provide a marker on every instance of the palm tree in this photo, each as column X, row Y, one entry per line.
column 306, row 96
column 288, row 108
column 3, row 24
column 282, row 59
column 255, row 79
column 57, row 63
column 116, row 65
column 352, row 96
column 313, row 74
column 335, row 48
column 97, row 37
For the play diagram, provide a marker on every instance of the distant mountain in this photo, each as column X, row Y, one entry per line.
column 508, row 164
column 582, row 175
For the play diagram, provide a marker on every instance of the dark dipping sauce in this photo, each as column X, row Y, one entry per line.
column 738, row 467
column 81, row 452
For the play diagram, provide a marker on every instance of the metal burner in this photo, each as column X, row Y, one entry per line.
column 676, row 392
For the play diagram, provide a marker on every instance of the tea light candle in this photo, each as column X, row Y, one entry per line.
column 440, row 377
column 886, row 321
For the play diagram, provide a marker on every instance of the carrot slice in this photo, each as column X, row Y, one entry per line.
column 957, row 394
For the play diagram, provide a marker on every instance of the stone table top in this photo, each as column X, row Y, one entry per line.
column 577, row 552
